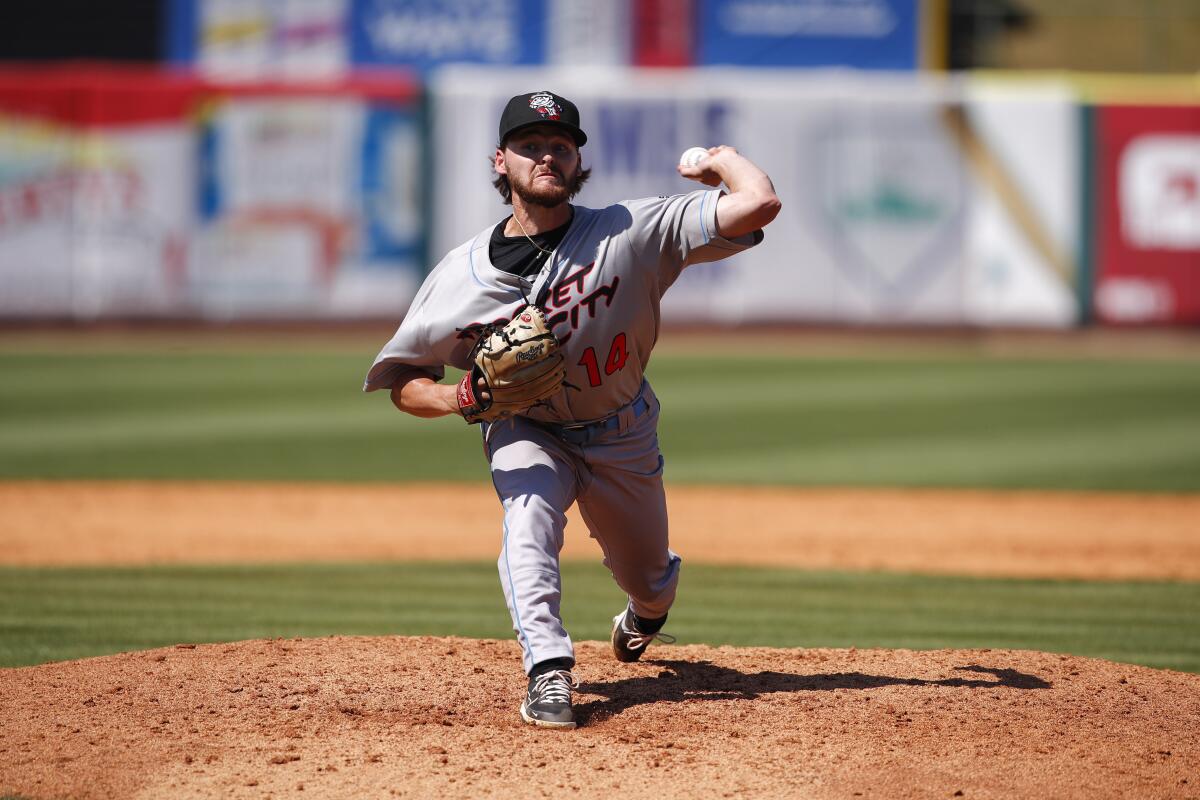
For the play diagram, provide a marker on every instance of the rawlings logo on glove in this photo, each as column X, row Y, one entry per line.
column 520, row 365
column 532, row 354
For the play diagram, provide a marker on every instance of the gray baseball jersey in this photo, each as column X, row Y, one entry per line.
column 601, row 291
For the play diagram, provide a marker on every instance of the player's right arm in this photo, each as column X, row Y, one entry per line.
column 751, row 202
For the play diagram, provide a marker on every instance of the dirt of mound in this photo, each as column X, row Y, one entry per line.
column 383, row 717
column 1043, row 534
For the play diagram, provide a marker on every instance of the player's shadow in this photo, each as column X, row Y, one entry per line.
column 702, row 680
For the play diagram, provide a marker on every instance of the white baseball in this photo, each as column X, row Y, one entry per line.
column 693, row 156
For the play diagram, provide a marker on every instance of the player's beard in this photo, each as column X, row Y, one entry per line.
column 545, row 196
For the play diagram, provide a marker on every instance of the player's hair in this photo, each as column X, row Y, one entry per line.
column 505, row 189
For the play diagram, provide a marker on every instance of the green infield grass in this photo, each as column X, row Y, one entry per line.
column 287, row 414
column 55, row 614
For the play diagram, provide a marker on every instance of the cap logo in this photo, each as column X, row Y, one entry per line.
column 543, row 103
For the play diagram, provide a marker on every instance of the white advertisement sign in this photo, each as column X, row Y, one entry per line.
column 1160, row 192
column 310, row 209
column 245, row 39
column 905, row 199
column 95, row 222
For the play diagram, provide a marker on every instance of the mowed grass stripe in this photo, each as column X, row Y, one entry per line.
column 1065, row 425
column 866, row 382
column 53, row 614
column 999, row 458
column 1119, row 425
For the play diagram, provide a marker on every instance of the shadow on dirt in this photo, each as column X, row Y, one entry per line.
column 702, row 680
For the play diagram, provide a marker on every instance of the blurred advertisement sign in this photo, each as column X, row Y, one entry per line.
column 310, row 205
column 308, row 39
column 1160, row 192
column 891, row 214
column 1149, row 231
column 891, row 195
column 585, row 32
column 426, row 33
column 96, row 174
column 664, row 33
column 870, row 34
column 246, row 39
column 128, row 192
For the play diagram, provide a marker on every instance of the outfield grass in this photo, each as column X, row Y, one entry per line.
column 291, row 415
column 287, row 414
column 54, row 614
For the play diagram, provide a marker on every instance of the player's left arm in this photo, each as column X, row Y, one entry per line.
column 750, row 202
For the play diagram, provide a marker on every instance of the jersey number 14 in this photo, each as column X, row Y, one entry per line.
column 618, row 354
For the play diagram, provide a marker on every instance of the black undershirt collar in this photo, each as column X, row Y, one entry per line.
column 515, row 255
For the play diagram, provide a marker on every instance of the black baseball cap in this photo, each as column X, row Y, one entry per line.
column 541, row 108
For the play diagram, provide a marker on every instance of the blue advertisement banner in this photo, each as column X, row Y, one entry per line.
column 867, row 34
column 181, row 32
column 393, row 225
column 424, row 34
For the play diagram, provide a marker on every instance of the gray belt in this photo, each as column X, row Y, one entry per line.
column 587, row 431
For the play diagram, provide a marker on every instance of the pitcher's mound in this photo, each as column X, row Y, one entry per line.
column 348, row 717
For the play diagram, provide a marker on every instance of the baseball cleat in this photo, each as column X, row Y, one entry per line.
column 628, row 643
column 547, row 703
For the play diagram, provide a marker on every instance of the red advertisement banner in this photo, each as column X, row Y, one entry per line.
column 1148, row 215
column 664, row 33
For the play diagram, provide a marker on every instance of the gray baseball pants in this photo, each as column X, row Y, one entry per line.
column 617, row 480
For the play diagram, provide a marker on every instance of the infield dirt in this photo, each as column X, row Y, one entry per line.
column 346, row 717
column 1088, row 535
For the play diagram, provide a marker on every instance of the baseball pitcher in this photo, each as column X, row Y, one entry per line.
column 553, row 314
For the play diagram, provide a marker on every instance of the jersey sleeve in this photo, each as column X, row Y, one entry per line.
column 409, row 349
column 674, row 232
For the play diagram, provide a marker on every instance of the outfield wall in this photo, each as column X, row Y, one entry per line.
column 96, row 183
column 329, row 38
column 908, row 199
column 132, row 192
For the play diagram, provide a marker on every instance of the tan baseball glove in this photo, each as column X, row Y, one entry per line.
column 520, row 364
